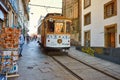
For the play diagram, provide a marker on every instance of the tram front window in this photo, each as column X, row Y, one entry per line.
column 59, row 28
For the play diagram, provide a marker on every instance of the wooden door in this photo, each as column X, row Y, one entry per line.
column 110, row 37
column 87, row 39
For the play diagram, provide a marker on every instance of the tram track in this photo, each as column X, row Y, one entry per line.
column 69, row 70
column 59, row 60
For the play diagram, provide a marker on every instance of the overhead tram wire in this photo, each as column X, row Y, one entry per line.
column 44, row 6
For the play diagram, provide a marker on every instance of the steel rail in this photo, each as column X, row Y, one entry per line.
column 78, row 77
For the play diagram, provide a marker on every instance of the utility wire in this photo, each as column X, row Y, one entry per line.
column 44, row 6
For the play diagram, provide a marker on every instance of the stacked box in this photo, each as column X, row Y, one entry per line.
column 9, row 42
column 8, row 61
column 9, row 38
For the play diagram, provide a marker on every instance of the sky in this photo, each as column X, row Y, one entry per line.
column 36, row 12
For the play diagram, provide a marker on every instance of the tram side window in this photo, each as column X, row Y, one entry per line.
column 68, row 27
column 51, row 26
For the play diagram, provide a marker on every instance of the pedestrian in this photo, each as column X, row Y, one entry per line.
column 28, row 38
column 21, row 43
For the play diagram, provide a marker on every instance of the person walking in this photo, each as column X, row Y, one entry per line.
column 28, row 38
column 21, row 43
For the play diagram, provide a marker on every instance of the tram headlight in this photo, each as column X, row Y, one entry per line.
column 59, row 41
column 48, row 40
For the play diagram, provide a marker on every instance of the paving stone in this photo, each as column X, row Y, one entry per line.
column 44, row 70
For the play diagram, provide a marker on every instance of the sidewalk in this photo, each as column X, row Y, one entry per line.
column 103, row 65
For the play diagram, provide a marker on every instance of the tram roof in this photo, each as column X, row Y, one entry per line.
column 55, row 16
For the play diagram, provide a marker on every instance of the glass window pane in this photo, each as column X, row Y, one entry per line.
column 51, row 26
column 59, row 27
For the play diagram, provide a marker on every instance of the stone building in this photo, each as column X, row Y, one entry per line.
column 23, row 15
column 15, row 14
column 101, row 23
column 98, row 26
column 101, row 28
column 71, row 10
column 3, row 13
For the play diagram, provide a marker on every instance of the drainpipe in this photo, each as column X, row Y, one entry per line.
column 79, row 19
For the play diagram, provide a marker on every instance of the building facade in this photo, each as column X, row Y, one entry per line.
column 3, row 13
column 101, row 28
column 23, row 15
column 71, row 10
column 14, row 13
column 101, row 23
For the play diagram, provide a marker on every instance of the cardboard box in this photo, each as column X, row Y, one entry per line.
column 8, row 46
column 15, row 58
column 5, row 53
column 8, row 30
column 15, row 53
column 3, row 35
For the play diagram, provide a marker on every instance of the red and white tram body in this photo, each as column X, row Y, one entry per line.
column 55, row 32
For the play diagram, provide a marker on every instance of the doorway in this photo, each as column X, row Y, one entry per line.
column 110, row 36
column 87, row 39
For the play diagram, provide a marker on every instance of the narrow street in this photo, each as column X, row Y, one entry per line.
column 34, row 34
column 35, row 65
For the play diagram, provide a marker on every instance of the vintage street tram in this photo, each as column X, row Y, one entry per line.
column 55, row 32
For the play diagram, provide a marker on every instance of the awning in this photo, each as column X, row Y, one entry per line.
column 1, row 15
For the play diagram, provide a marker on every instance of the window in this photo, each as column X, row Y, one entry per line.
column 1, row 24
column 87, row 3
column 110, row 9
column 68, row 25
column 110, row 35
column 87, row 38
column 87, row 19
column 59, row 27
column 51, row 26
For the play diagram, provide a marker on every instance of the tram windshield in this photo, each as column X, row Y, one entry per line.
column 58, row 26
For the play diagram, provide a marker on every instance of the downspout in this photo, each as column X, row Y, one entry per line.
column 79, row 19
